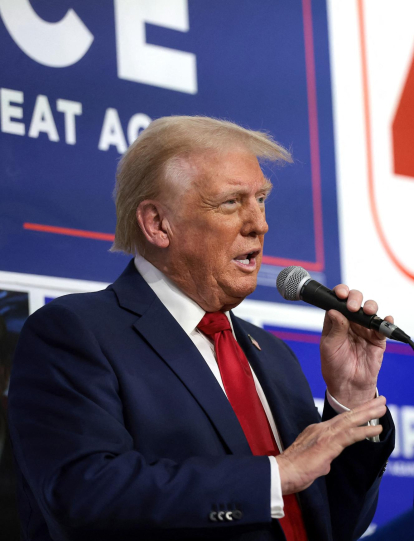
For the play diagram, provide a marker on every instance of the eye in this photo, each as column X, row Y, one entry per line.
column 261, row 199
column 230, row 202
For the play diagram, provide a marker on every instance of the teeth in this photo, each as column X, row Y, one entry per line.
column 244, row 261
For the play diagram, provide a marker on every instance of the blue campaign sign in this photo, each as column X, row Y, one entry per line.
column 79, row 80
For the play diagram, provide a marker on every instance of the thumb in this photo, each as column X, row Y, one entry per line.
column 338, row 325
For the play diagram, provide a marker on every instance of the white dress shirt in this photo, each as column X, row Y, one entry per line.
column 189, row 314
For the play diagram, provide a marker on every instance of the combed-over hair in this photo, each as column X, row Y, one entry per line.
column 143, row 169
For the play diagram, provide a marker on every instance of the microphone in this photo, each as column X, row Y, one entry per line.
column 295, row 283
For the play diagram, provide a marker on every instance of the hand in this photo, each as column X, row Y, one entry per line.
column 311, row 454
column 351, row 355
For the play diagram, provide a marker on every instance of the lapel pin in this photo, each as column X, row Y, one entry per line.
column 254, row 342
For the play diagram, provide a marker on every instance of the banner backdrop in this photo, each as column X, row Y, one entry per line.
column 80, row 80
column 78, row 85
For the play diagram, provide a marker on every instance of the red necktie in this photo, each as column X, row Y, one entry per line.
column 241, row 391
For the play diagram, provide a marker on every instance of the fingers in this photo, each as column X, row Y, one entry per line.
column 374, row 409
column 336, row 325
column 314, row 449
column 350, row 427
column 353, row 296
column 341, row 291
column 354, row 299
column 362, row 432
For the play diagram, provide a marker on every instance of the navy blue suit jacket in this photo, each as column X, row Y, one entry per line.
column 120, row 430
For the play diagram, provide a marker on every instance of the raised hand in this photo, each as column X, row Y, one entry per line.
column 351, row 355
column 311, row 454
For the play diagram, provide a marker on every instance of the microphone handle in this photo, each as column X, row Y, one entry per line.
column 320, row 296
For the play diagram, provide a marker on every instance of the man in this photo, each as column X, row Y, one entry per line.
column 148, row 411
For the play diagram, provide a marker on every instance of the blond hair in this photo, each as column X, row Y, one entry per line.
column 144, row 168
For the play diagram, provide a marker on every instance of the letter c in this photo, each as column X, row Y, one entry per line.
column 56, row 45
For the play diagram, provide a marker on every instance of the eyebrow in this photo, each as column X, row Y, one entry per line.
column 266, row 187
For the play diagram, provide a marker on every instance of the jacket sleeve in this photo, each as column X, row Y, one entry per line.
column 354, row 480
column 79, row 461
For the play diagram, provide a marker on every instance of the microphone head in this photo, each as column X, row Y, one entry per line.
column 290, row 282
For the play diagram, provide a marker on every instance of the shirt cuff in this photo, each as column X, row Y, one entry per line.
column 276, row 498
column 340, row 408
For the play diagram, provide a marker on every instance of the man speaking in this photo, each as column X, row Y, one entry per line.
column 149, row 411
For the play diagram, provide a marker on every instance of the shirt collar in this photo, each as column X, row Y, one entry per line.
column 187, row 312
column 184, row 310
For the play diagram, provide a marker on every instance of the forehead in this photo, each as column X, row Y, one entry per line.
column 238, row 170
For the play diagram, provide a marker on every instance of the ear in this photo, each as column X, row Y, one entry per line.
column 153, row 223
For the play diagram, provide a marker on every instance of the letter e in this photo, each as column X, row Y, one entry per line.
column 9, row 112
column 151, row 64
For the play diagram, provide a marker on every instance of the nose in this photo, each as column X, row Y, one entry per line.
column 254, row 221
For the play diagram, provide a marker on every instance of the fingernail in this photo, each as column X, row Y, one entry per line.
column 353, row 304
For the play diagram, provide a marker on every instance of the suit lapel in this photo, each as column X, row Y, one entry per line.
column 159, row 328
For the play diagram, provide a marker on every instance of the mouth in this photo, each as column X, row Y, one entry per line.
column 247, row 261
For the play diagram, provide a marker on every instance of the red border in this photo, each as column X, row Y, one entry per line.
column 392, row 347
column 371, row 184
column 317, row 265
column 70, row 232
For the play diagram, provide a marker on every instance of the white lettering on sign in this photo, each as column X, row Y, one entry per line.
column 112, row 133
column 42, row 120
column 400, row 468
column 136, row 124
column 394, row 410
column 56, row 45
column 403, row 417
column 70, row 109
column 407, row 424
column 151, row 64
column 64, row 43
column 9, row 112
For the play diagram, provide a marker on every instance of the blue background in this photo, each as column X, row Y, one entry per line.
column 250, row 69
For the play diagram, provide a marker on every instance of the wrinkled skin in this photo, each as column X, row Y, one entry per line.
column 204, row 227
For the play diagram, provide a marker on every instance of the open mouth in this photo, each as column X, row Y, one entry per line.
column 247, row 260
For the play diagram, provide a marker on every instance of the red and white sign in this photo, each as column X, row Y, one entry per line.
column 372, row 58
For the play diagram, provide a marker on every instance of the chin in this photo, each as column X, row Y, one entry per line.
column 239, row 290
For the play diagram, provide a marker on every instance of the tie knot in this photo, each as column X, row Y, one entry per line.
column 214, row 322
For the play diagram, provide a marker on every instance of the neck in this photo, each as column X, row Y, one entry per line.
column 206, row 295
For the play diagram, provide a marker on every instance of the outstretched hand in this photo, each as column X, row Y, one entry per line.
column 311, row 454
column 351, row 355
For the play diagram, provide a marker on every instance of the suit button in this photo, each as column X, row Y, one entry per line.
column 237, row 515
column 213, row 516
